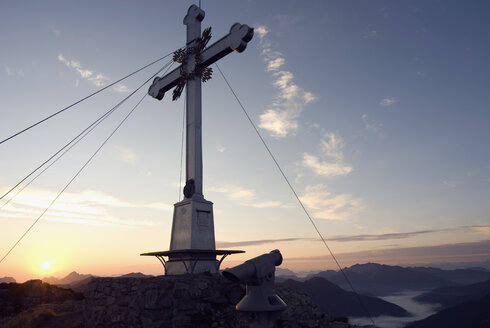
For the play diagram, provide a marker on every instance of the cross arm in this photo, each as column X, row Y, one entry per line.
column 161, row 85
column 236, row 40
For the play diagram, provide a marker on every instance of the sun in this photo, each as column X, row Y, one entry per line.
column 46, row 265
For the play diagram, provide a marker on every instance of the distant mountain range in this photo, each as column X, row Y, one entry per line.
column 7, row 280
column 71, row 278
column 77, row 282
column 453, row 295
column 474, row 314
column 381, row 280
column 458, row 276
column 334, row 300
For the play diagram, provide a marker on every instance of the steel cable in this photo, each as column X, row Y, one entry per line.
column 83, row 166
column 85, row 98
column 296, row 196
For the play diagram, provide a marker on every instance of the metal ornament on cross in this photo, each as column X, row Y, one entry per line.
column 192, row 244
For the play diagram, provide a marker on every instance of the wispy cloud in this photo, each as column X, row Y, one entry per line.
column 387, row 101
column 369, row 33
column 452, row 183
column 8, row 71
column 281, row 118
column 87, row 207
column 371, row 125
column 385, row 236
column 354, row 238
column 12, row 72
column 442, row 254
column 220, row 148
column 224, row 244
column 326, row 205
column 330, row 161
column 97, row 79
column 481, row 229
column 126, row 155
column 244, row 196
column 121, row 88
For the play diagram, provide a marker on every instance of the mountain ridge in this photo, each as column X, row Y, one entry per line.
column 473, row 314
column 453, row 295
column 382, row 280
column 332, row 299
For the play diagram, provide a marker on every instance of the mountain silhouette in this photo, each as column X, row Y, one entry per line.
column 71, row 278
column 458, row 276
column 332, row 299
column 474, row 314
column 381, row 280
column 453, row 295
column 7, row 280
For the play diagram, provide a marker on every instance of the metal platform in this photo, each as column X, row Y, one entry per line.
column 190, row 257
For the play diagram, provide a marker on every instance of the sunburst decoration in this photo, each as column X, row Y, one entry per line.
column 181, row 55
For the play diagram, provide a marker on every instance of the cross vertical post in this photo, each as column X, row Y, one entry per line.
column 193, row 104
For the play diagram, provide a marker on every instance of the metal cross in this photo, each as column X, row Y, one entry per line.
column 190, row 72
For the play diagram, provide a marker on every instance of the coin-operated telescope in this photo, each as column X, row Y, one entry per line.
column 260, row 299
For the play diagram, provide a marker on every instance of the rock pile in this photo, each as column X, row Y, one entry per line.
column 15, row 298
column 185, row 301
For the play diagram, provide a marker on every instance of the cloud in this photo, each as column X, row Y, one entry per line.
column 224, row 244
column 387, row 101
column 352, row 238
column 481, row 229
column 372, row 125
column 323, row 168
column 281, row 118
column 261, row 31
column 385, row 236
column 56, row 32
column 369, row 33
column 279, row 123
column 97, row 79
column 325, row 205
column 89, row 207
column 332, row 145
column 330, row 162
column 126, row 155
column 275, row 64
column 11, row 72
column 244, row 196
column 433, row 255
column 121, row 88
column 8, row 70
column 452, row 183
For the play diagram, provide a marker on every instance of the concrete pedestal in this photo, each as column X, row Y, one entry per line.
column 192, row 229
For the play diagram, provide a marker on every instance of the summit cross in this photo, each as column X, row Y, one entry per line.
column 192, row 245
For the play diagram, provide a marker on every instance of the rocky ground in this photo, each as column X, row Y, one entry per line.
column 38, row 304
column 186, row 301
column 165, row 301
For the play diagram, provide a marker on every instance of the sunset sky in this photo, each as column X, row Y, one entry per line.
column 377, row 111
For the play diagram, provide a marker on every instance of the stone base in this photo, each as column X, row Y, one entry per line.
column 197, row 301
column 193, row 225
